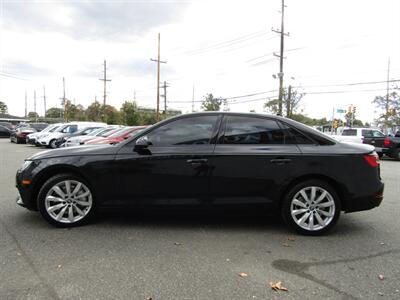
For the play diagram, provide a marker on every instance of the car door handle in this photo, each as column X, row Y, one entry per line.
column 197, row 161
column 280, row 161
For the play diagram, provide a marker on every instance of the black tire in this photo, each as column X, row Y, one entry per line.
column 18, row 141
column 396, row 154
column 289, row 197
column 380, row 154
column 52, row 144
column 46, row 188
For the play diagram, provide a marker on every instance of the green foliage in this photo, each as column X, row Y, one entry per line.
column 309, row 121
column 129, row 114
column 54, row 112
column 3, row 107
column 349, row 116
column 33, row 116
column 212, row 104
column 93, row 112
column 390, row 106
column 110, row 114
column 290, row 103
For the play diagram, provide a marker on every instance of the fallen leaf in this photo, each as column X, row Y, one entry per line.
column 19, row 253
column 228, row 259
column 291, row 238
column 285, row 245
column 278, row 286
column 243, row 274
column 382, row 243
column 59, row 266
column 381, row 277
column 177, row 244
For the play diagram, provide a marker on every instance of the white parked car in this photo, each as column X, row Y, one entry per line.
column 82, row 139
column 33, row 137
column 357, row 135
column 49, row 139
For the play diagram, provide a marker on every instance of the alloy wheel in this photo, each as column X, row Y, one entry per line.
column 68, row 201
column 312, row 208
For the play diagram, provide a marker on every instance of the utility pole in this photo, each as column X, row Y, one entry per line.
column 387, row 97
column 280, row 74
column 165, row 85
column 26, row 104
column 134, row 95
column 158, row 61
column 193, row 99
column 104, row 79
column 64, row 101
column 289, row 103
column 34, row 104
column 44, row 100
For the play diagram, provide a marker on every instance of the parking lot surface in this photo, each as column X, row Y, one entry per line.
column 142, row 256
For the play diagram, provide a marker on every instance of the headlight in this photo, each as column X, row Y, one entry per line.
column 26, row 164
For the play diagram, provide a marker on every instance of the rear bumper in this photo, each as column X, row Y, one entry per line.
column 365, row 202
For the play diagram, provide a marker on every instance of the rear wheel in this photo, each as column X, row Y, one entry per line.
column 311, row 207
column 66, row 200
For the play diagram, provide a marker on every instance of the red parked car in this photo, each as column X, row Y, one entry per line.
column 19, row 135
column 117, row 137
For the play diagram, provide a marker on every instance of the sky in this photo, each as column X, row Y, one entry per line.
column 336, row 52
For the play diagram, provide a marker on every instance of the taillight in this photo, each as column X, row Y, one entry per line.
column 387, row 142
column 372, row 159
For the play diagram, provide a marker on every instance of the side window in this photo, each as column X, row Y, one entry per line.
column 366, row 133
column 377, row 133
column 349, row 132
column 251, row 130
column 187, row 131
column 293, row 136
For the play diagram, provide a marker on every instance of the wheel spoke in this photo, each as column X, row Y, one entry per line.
column 58, row 191
column 79, row 211
column 304, row 195
column 68, row 187
column 311, row 222
column 303, row 219
column 71, row 214
column 325, row 213
column 299, row 203
column 298, row 211
column 83, row 195
column 54, row 199
column 325, row 204
column 313, row 191
column 77, row 188
column 321, row 197
column 61, row 213
column 55, row 207
column 319, row 219
column 83, row 203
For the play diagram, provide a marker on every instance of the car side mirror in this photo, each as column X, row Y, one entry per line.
column 141, row 145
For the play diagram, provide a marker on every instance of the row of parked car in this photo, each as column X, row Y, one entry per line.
column 72, row 134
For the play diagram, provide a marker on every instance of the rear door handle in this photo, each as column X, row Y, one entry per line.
column 280, row 161
column 197, row 161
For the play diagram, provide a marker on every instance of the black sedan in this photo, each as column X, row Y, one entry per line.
column 4, row 131
column 208, row 160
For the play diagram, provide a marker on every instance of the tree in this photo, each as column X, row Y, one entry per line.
column 110, row 114
column 33, row 116
column 290, row 102
column 309, row 121
column 129, row 114
column 3, row 108
column 351, row 119
column 54, row 112
column 94, row 112
column 212, row 104
column 390, row 106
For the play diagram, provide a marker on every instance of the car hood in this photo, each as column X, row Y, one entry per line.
column 75, row 151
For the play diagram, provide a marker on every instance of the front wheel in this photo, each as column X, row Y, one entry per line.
column 311, row 207
column 66, row 200
column 53, row 144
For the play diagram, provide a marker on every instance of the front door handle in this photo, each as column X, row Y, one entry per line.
column 197, row 161
column 280, row 161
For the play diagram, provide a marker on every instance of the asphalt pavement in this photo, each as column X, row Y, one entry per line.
column 142, row 256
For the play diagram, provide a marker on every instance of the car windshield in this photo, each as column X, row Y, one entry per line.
column 110, row 132
column 53, row 129
column 95, row 132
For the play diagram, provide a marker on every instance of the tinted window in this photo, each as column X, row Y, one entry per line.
column 366, row 133
column 349, row 132
column 249, row 130
column 187, row 131
column 293, row 136
column 377, row 133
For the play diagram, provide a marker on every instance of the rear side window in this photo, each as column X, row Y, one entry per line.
column 250, row 130
column 366, row 133
column 293, row 136
column 349, row 132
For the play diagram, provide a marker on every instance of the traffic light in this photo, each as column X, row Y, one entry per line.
column 335, row 123
column 354, row 109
